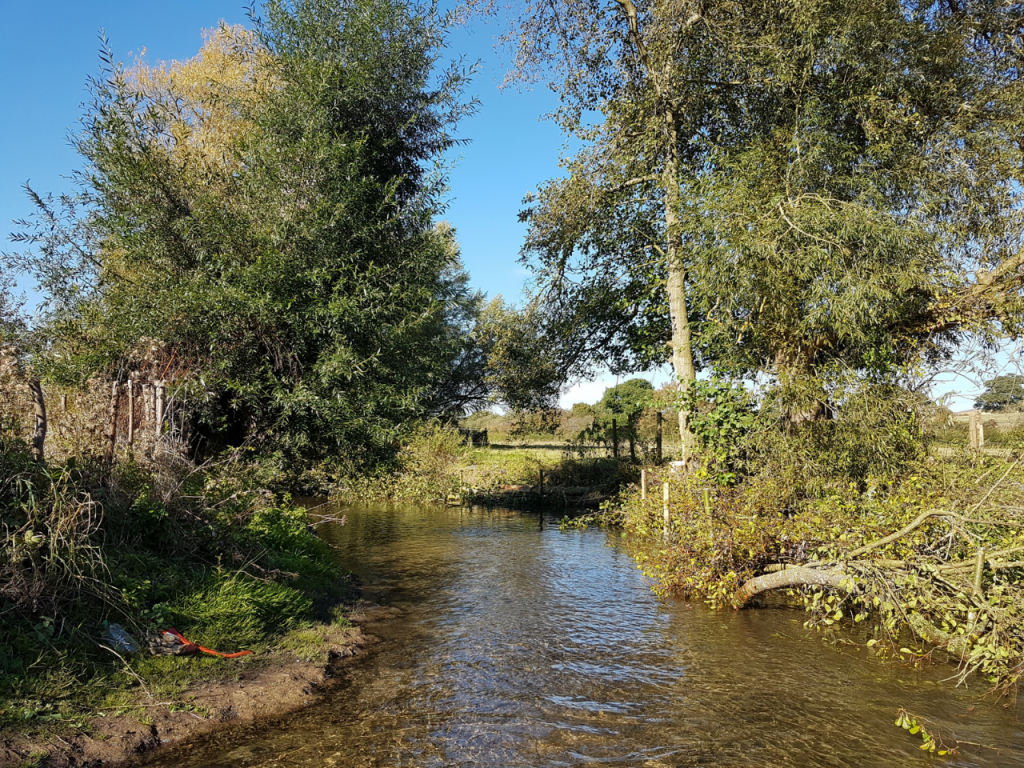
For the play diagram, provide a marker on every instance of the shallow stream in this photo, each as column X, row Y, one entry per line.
column 516, row 644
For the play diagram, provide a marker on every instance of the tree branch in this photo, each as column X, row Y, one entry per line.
column 793, row 577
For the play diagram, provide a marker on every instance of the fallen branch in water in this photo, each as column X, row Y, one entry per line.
column 793, row 576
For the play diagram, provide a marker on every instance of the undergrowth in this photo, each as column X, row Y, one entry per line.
column 82, row 545
column 435, row 466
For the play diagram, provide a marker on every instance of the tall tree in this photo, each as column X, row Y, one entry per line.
column 822, row 183
column 622, row 53
column 1003, row 393
column 264, row 214
column 625, row 403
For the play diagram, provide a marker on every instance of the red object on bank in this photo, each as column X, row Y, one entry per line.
column 189, row 647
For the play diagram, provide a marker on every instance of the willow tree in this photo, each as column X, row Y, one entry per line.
column 802, row 185
column 264, row 214
column 867, row 178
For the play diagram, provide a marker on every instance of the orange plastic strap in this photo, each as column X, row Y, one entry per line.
column 209, row 651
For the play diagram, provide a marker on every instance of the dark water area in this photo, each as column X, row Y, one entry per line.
column 516, row 644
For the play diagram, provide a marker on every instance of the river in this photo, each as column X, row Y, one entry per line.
column 517, row 644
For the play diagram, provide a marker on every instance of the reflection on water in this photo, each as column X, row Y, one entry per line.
column 519, row 645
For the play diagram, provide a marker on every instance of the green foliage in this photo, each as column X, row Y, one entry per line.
column 625, row 405
column 12, row 323
column 808, row 161
column 720, row 415
column 1003, row 393
column 298, row 295
column 910, row 724
column 873, row 435
column 227, row 566
column 285, row 530
column 907, row 550
column 582, row 409
column 536, row 424
column 712, row 553
column 237, row 611
column 523, row 369
column 425, row 469
column 628, row 399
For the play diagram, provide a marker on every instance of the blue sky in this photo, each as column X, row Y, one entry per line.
column 51, row 47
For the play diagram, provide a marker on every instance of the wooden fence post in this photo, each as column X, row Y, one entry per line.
column 657, row 440
column 664, row 500
column 115, row 403
column 615, row 439
column 131, row 412
column 972, row 431
column 643, row 483
column 159, row 393
column 39, row 419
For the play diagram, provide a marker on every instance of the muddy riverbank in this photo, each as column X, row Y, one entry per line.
column 243, row 691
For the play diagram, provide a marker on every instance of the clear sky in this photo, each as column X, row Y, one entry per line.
column 51, row 47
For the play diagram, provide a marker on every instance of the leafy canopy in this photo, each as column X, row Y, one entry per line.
column 850, row 181
column 256, row 225
column 1003, row 393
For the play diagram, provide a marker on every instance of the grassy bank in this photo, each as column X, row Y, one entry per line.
column 435, row 466
column 147, row 547
column 158, row 543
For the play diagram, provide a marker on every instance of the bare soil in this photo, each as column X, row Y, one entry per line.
column 279, row 683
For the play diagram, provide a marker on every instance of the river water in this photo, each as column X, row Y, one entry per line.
column 516, row 644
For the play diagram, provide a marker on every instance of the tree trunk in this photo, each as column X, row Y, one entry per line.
column 806, row 399
column 39, row 419
column 682, row 343
column 682, row 347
